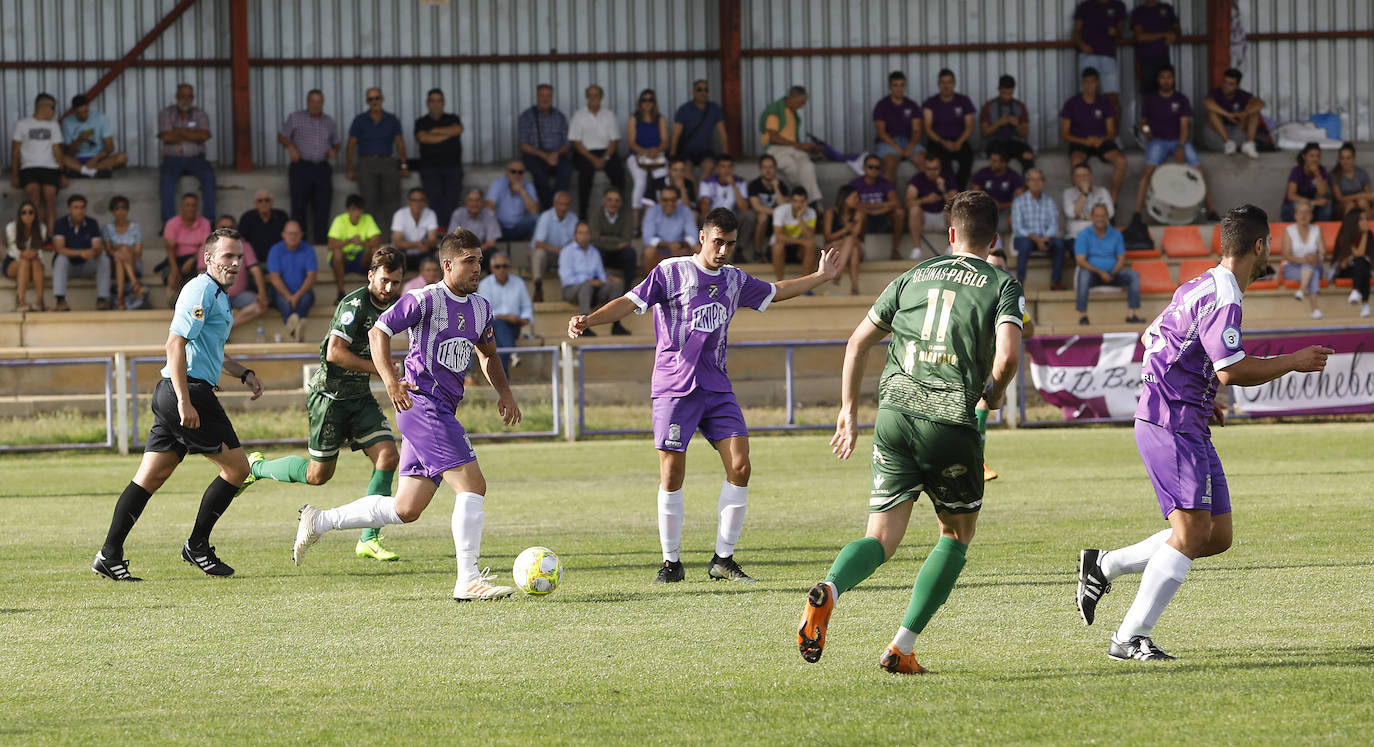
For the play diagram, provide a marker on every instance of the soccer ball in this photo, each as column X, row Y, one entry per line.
column 537, row 571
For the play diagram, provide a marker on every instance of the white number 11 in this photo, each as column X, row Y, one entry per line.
column 934, row 299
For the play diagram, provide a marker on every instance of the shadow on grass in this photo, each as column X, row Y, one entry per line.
column 1218, row 659
column 676, row 590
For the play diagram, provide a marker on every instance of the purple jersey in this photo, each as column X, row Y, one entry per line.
column 1000, row 187
column 872, row 194
column 692, row 309
column 1153, row 19
column 1087, row 119
column 897, row 116
column 1097, row 17
column 925, row 186
column 1197, row 335
column 1165, row 114
column 444, row 330
column 947, row 117
column 1234, row 105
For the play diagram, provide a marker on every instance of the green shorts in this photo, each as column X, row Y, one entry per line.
column 911, row 455
column 360, row 422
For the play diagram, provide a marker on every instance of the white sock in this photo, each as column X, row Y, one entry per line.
column 468, row 519
column 733, row 502
column 1132, row 558
column 670, row 522
column 1162, row 577
column 905, row 640
column 88, row 171
column 368, row 511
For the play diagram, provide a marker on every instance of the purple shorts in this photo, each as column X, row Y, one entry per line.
column 717, row 414
column 1184, row 469
column 435, row 441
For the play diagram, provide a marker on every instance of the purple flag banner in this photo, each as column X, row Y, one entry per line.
column 1088, row 376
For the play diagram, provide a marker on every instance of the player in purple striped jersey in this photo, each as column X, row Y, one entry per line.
column 1190, row 349
column 448, row 324
column 694, row 299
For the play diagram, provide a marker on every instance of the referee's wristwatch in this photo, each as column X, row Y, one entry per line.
column 243, row 377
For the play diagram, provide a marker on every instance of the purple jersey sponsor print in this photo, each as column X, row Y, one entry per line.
column 692, row 310
column 1196, row 335
column 445, row 329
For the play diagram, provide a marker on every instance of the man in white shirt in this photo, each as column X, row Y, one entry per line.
column 594, row 133
column 510, row 305
column 724, row 189
column 415, row 228
column 36, row 157
column 1079, row 201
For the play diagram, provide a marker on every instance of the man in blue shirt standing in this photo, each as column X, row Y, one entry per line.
column 187, row 417
column 584, row 276
column 371, row 162
column 1100, row 254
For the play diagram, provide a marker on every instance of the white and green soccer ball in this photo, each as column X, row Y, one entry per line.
column 537, row 571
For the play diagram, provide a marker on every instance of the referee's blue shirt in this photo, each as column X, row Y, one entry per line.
column 203, row 316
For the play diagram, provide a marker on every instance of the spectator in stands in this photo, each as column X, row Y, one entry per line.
column 1097, row 25
column 510, row 303
column 595, row 136
column 1087, row 123
column 766, row 192
column 794, row 233
column 1232, row 114
column 124, row 241
column 184, row 129
column 724, row 189
column 844, row 229
column 90, row 141
column 262, row 226
column 784, row 140
column 353, row 237
column 612, row 233
column 1100, row 254
column 1005, row 125
column 292, row 268
column 36, row 159
column 679, row 176
column 1079, row 201
column 376, row 156
column 440, row 136
column 699, row 131
column 1350, row 185
column 1154, row 25
column 584, row 280
column 949, row 125
column 897, row 120
column 475, row 216
column 1035, row 223
column 80, row 251
column 25, row 261
column 544, row 146
column 415, row 228
column 510, row 197
column 646, row 133
column 669, row 229
column 184, row 236
column 926, row 195
column 1308, row 180
column 430, row 273
column 1302, row 254
column 247, row 299
column 1351, row 256
column 1002, row 184
column 1166, row 121
column 553, row 232
column 311, row 140
column 878, row 198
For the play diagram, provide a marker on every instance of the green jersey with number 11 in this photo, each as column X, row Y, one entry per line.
column 943, row 316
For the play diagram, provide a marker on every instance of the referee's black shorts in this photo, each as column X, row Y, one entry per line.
column 167, row 434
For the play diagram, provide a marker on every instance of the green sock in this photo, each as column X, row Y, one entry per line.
column 982, row 423
column 856, row 562
column 934, row 582
column 286, row 469
column 380, row 484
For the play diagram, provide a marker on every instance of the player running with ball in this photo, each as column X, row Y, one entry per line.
column 694, row 299
column 1189, row 349
column 955, row 323
column 447, row 323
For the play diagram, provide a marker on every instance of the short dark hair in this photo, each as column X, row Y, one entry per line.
column 766, row 157
column 1241, row 228
column 669, row 188
column 44, row 96
column 433, row 91
column 677, row 159
column 1006, row 81
column 314, row 91
column 1167, row 67
column 458, row 242
column 118, row 200
column 798, row 190
column 1090, row 72
column 191, row 195
column 1232, row 73
column 430, row 259
column 221, row 233
column 895, row 76
column 388, row 258
column 413, row 190
column 974, row 215
column 723, row 157
column 723, row 219
column 796, row 91
column 354, row 201
column 79, row 101
column 943, row 72
column 227, row 217
column 999, row 254
column 76, row 197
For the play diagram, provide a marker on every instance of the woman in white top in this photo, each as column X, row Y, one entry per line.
column 1302, row 254
column 647, row 135
column 25, row 261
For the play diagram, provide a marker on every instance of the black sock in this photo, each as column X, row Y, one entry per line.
column 212, row 505
column 127, row 510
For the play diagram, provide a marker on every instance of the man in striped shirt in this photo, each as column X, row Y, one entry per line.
column 312, row 140
column 183, row 129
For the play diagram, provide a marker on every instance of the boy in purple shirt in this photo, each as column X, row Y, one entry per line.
column 926, row 194
column 1088, row 123
column 1097, row 24
column 878, row 200
column 694, row 299
column 949, row 124
column 1191, row 348
column 1232, row 114
column 448, row 323
column 1155, row 27
column 897, row 120
column 1166, row 121
column 1001, row 184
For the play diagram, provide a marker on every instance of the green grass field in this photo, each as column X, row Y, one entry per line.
column 1275, row 637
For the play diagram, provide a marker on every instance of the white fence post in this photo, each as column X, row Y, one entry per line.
column 569, row 363
column 121, row 375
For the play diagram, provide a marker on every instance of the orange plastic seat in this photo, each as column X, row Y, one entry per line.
column 1269, row 283
column 1193, row 268
column 1183, row 241
column 1150, row 253
column 1276, row 232
column 1343, row 283
column 1155, row 276
column 1329, row 230
column 1216, row 239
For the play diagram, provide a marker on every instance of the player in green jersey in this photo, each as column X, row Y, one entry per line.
column 340, row 404
column 955, row 323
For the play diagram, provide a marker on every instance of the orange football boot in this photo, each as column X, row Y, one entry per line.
column 893, row 660
column 820, row 602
